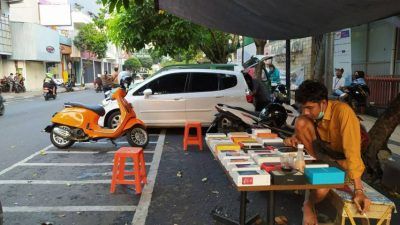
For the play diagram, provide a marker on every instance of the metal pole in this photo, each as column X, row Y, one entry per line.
column 288, row 69
column 243, row 204
column 271, row 208
column 242, row 50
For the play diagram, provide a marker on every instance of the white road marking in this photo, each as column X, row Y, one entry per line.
column 89, row 152
column 59, row 182
column 105, row 142
column 24, row 160
column 88, row 208
column 74, row 164
column 145, row 198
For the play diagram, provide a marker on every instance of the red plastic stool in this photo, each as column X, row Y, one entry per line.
column 139, row 168
column 192, row 140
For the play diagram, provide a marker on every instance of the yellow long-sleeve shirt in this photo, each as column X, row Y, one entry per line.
column 340, row 128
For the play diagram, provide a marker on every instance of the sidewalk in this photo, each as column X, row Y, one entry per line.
column 30, row 94
column 394, row 140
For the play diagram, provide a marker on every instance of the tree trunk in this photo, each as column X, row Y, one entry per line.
column 318, row 57
column 379, row 136
column 260, row 44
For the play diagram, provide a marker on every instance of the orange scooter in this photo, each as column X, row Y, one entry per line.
column 79, row 122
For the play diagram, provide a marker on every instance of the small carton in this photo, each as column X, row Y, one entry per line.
column 236, row 140
column 214, row 143
column 227, row 147
column 288, row 177
column 263, row 158
column 267, row 135
column 252, row 153
column 215, row 136
column 251, row 178
column 316, row 164
column 251, row 145
column 267, row 141
column 243, row 167
column 271, row 166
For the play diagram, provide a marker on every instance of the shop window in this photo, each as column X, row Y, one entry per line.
column 202, row 82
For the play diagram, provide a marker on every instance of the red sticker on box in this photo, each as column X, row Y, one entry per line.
column 247, row 180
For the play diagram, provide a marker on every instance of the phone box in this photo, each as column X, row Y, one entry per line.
column 250, row 145
column 267, row 141
column 243, row 167
column 228, row 162
column 256, row 131
column 215, row 135
column 236, row 140
column 251, row 178
column 271, row 166
column 281, row 177
column 253, row 153
column 227, row 147
column 232, row 155
column 263, row 158
column 316, row 164
column 267, row 135
column 330, row 175
column 238, row 134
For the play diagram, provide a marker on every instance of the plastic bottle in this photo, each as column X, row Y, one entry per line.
column 299, row 163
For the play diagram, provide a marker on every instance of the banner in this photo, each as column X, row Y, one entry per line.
column 342, row 53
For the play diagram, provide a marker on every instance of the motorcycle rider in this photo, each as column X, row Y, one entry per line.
column 50, row 83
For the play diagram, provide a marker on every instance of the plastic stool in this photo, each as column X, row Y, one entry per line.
column 139, row 168
column 192, row 140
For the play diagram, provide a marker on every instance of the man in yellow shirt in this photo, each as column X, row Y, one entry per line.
column 328, row 129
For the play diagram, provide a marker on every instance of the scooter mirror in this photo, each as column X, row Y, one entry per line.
column 147, row 93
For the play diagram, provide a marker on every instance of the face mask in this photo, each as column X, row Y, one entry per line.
column 321, row 114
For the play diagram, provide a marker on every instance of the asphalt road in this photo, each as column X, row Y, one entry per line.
column 20, row 127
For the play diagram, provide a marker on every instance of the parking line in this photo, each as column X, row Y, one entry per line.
column 89, row 152
column 89, row 208
column 105, row 142
column 75, row 164
column 59, row 182
column 24, row 160
column 145, row 199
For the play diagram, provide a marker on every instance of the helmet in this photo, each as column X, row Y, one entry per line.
column 126, row 79
column 360, row 92
column 282, row 88
column 274, row 114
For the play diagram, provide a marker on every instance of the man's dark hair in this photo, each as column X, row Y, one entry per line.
column 116, row 69
column 311, row 91
column 360, row 74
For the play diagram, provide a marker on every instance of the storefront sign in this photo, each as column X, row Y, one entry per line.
column 50, row 49
column 65, row 50
column 342, row 53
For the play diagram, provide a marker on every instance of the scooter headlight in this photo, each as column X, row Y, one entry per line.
column 105, row 102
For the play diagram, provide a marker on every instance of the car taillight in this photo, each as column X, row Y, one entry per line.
column 249, row 96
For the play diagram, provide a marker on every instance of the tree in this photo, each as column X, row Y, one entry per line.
column 146, row 61
column 260, row 45
column 139, row 24
column 132, row 64
column 92, row 39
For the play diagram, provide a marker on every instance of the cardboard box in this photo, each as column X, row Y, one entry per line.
column 243, row 167
column 263, row 158
column 251, row 178
column 232, row 155
column 271, row 166
column 236, row 140
column 280, row 177
column 330, row 175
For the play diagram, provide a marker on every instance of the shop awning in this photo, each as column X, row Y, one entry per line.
column 281, row 19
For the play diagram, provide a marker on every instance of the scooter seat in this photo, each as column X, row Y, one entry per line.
column 99, row 110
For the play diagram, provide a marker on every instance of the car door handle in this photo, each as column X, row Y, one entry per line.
column 219, row 96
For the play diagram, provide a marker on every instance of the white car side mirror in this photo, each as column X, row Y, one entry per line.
column 147, row 93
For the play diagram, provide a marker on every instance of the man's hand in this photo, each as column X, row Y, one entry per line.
column 362, row 202
column 291, row 141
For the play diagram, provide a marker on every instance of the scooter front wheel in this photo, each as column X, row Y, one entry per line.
column 59, row 141
column 138, row 136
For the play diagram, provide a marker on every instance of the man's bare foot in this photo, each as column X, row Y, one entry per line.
column 309, row 214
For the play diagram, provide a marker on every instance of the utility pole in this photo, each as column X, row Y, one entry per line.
column 288, row 69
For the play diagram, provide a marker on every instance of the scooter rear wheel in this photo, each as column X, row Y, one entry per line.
column 138, row 136
column 59, row 141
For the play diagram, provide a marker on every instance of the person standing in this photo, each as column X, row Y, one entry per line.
column 258, row 91
column 114, row 76
column 338, row 83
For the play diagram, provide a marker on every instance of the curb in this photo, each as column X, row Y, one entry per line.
column 15, row 97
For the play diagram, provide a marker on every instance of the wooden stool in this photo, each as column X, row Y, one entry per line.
column 139, row 168
column 192, row 140
column 380, row 210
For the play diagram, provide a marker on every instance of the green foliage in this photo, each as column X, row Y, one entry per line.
column 140, row 24
column 132, row 64
column 90, row 38
column 146, row 61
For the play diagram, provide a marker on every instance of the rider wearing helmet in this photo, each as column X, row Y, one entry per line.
column 126, row 79
column 49, row 82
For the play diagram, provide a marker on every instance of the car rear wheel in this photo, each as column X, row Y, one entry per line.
column 113, row 119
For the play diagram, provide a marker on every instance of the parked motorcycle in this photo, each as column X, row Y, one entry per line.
column 2, row 108
column 273, row 116
column 357, row 95
column 68, row 86
column 79, row 122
